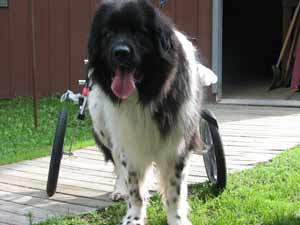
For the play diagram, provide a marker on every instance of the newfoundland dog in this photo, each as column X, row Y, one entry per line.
column 145, row 103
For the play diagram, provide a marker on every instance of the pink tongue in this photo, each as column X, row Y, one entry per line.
column 123, row 84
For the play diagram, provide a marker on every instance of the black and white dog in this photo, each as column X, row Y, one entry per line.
column 145, row 102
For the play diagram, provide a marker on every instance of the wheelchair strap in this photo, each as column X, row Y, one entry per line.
column 209, row 119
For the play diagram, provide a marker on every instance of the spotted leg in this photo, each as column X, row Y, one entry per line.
column 137, row 192
column 120, row 189
column 111, row 154
column 173, row 184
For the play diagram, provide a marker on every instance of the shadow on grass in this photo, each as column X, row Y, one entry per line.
column 204, row 191
column 285, row 220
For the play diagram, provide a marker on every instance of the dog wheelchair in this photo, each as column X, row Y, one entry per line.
column 213, row 151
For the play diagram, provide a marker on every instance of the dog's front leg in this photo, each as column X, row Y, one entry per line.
column 120, row 189
column 136, row 203
column 173, row 184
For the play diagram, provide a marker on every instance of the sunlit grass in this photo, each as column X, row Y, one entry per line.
column 21, row 141
column 269, row 194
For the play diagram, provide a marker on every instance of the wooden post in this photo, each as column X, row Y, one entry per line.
column 34, row 66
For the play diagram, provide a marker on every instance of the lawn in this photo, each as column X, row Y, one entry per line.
column 21, row 141
column 269, row 194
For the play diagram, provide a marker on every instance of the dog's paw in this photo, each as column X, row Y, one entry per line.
column 119, row 192
column 177, row 220
column 117, row 196
column 134, row 216
column 132, row 220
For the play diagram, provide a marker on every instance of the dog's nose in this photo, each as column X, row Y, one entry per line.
column 121, row 52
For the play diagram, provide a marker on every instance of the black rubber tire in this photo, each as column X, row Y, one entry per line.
column 57, row 152
column 214, row 157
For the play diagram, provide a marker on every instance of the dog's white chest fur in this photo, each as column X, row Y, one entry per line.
column 131, row 127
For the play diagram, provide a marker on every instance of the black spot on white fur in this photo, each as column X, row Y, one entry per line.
column 132, row 174
column 106, row 151
column 124, row 164
column 173, row 182
column 180, row 164
column 102, row 134
column 178, row 189
column 175, row 199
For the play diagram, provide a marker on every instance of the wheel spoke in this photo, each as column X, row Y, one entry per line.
column 209, row 151
column 212, row 150
column 207, row 148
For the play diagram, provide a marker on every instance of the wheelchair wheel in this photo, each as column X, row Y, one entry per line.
column 213, row 152
column 57, row 152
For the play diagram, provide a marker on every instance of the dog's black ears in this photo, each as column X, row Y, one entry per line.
column 164, row 36
column 160, row 27
column 93, row 46
column 92, row 49
column 164, row 40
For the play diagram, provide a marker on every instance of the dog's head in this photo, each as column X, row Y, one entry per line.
column 131, row 47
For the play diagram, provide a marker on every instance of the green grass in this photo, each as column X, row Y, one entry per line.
column 266, row 195
column 21, row 141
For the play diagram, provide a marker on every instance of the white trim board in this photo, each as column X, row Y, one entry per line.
column 261, row 102
column 217, row 45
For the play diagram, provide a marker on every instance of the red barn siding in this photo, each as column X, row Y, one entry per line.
column 20, row 54
column 194, row 17
column 205, row 30
column 5, row 83
column 61, row 34
column 59, row 45
column 42, row 12
column 80, row 19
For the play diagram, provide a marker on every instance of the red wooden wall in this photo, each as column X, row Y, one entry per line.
column 194, row 17
column 61, row 33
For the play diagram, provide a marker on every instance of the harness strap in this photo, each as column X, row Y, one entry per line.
column 209, row 119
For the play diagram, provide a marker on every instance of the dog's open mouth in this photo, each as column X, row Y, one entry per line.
column 123, row 83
